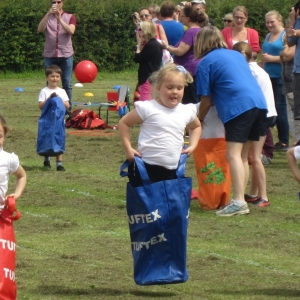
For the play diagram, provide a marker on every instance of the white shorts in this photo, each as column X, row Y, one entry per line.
column 297, row 152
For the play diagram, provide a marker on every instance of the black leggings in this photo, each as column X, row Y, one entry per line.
column 156, row 173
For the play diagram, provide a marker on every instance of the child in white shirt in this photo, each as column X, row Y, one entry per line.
column 258, row 190
column 53, row 76
column 163, row 121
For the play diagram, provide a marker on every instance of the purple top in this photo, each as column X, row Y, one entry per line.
column 187, row 60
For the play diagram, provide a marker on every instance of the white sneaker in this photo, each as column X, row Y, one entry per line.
column 265, row 159
column 232, row 209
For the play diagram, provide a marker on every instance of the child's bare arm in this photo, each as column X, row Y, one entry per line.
column 41, row 104
column 292, row 162
column 194, row 136
column 20, row 183
column 132, row 118
column 66, row 104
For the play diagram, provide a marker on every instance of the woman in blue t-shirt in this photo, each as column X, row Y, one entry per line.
column 272, row 47
column 224, row 79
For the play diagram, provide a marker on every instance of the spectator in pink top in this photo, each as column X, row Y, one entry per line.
column 240, row 33
column 59, row 27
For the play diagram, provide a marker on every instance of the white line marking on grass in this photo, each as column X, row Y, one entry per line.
column 247, row 262
column 82, row 193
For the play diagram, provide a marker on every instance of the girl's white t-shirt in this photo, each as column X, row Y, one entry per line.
column 161, row 132
column 9, row 163
column 264, row 81
column 45, row 93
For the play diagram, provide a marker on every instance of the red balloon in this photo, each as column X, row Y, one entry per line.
column 86, row 71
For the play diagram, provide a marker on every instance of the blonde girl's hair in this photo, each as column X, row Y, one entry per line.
column 275, row 13
column 243, row 9
column 157, row 78
column 4, row 125
column 244, row 48
column 208, row 39
column 148, row 29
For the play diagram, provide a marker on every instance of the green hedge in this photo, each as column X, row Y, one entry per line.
column 104, row 32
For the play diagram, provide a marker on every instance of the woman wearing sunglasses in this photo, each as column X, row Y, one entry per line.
column 145, row 15
column 149, row 58
column 228, row 20
column 59, row 27
column 240, row 33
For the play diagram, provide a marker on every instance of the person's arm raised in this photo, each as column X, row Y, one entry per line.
column 69, row 28
column 43, row 23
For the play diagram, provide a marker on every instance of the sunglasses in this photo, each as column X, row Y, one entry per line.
column 56, row 2
column 227, row 21
column 145, row 15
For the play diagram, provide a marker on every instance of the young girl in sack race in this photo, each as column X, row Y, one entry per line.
column 162, row 124
column 162, row 196
column 212, row 168
column 9, row 164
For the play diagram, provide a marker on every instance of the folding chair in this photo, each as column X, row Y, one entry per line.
column 116, row 100
column 124, row 92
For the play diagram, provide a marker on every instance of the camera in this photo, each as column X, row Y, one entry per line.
column 296, row 7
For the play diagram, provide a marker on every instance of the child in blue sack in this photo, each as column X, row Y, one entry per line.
column 53, row 76
column 163, row 121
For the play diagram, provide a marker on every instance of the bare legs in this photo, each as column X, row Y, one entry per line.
column 258, row 181
column 237, row 156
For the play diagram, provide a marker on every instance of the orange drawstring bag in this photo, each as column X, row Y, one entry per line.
column 213, row 173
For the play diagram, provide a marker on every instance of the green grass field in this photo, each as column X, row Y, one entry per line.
column 73, row 237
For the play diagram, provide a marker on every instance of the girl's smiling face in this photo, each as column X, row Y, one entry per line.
column 272, row 23
column 171, row 90
column 53, row 80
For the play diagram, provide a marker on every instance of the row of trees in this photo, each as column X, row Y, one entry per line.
column 104, row 32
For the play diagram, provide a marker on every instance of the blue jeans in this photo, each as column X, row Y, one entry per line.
column 281, row 108
column 296, row 91
column 66, row 65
